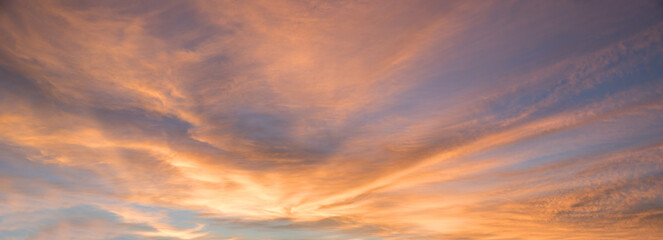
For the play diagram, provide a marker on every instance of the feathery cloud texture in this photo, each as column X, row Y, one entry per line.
column 331, row 120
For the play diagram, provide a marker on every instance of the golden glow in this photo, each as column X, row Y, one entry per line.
column 330, row 120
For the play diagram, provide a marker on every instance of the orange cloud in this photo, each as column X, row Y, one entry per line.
column 331, row 120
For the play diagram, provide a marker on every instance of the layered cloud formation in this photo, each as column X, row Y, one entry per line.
column 331, row 120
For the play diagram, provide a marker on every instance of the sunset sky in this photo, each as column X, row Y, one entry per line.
column 349, row 120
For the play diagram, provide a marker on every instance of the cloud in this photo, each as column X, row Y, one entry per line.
column 330, row 120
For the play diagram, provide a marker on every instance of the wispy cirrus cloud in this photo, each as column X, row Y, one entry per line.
column 330, row 120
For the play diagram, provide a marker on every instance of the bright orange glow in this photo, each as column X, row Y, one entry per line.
column 331, row 120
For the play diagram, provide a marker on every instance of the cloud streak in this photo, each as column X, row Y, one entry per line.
column 331, row 120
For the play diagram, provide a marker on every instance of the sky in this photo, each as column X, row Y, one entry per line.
column 349, row 119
